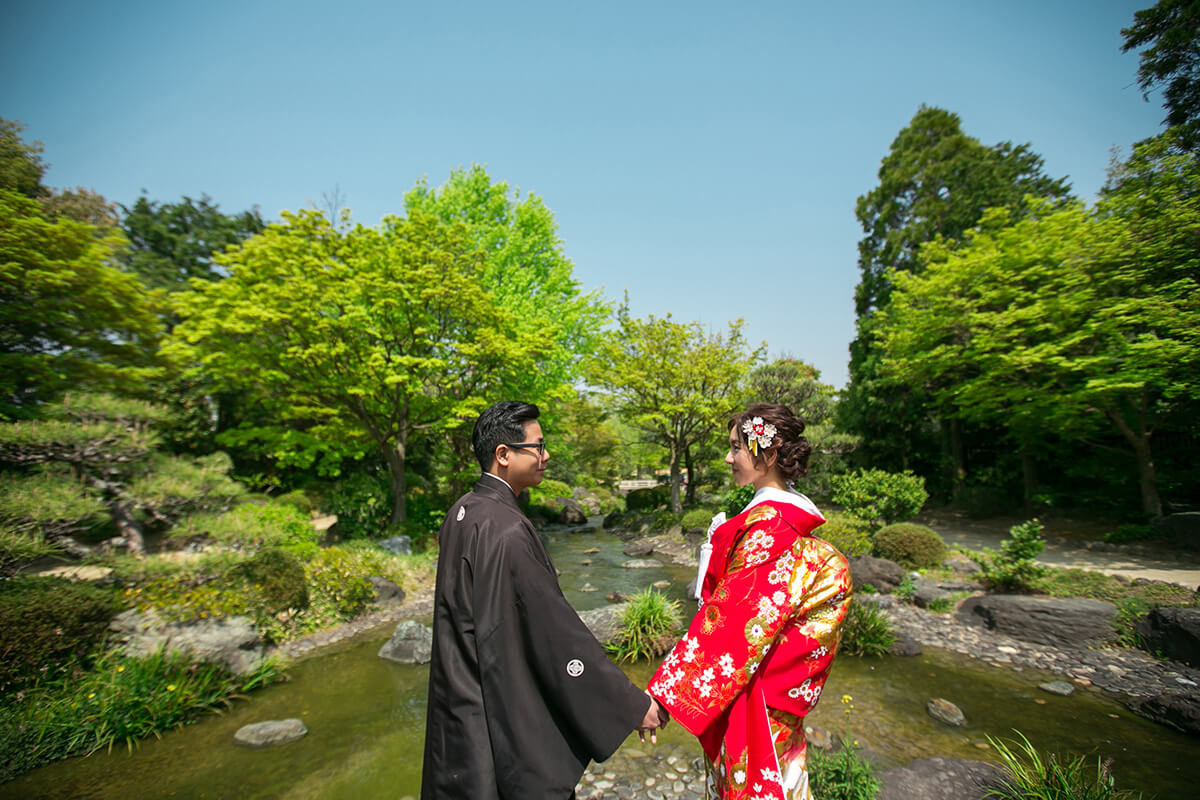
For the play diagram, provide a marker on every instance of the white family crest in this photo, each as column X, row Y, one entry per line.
column 574, row 667
column 462, row 512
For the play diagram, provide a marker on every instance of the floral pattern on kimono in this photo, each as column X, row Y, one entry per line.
column 756, row 656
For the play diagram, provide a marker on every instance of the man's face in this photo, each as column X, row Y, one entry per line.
column 527, row 465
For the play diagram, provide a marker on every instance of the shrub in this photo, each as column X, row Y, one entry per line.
column 844, row 775
column 1030, row 776
column 47, row 625
column 873, row 494
column 1014, row 567
column 18, row 547
column 253, row 526
column 545, row 492
column 866, row 631
column 910, row 545
column 297, row 500
column 338, row 585
column 647, row 627
column 51, row 504
column 737, row 499
column 849, row 534
column 906, row 589
column 648, row 499
column 697, row 518
column 277, row 578
column 1124, row 534
column 363, row 504
column 425, row 514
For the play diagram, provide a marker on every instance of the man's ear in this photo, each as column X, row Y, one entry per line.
column 502, row 455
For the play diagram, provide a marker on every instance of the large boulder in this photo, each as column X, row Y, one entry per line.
column 939, row 779
column 928, row 591
column 884, row 575
column 411, row 643
column 604, row 622
column 397, row 545
column 387, row 593
column 1174, row 709
column 230, row 641
column 1182, row 529
column 570, row 512
column 1057, row 621
column 1174, row 632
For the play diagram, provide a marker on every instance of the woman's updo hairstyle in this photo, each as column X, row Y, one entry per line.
column 788, row 443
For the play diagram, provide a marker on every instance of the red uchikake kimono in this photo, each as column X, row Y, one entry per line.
column 757, row 654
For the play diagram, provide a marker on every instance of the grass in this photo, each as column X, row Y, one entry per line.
column 844, row 775
column 647, row 628
column 122, row 699
column 1031, row 776
column 866, row 631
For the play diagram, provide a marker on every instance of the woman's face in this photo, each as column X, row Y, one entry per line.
column 741, row 462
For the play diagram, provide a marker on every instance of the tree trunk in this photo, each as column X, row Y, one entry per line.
column 1139, row 440
column 958, row 461
column 691, row 476
column 676, row 479
column 394, row 455
column 128, row 527
column 1028, row 476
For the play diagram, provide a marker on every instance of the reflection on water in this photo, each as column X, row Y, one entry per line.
column 366, row 719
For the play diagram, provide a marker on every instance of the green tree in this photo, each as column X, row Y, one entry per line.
column 171, row 243
column 525, row 270
column 21, row 165
column 935, row 182
column 1170, row 32
column 82, row 205
column 673, row 381
column 372, row 333
column 68, row 316
column 1064, row 321
column 795, row 384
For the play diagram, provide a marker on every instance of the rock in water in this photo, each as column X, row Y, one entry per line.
column 275, row 731
column 641, row 563
column 1174, row 632
column 1061, row 688
column 939, row 779
column 945, row 712
column 1179, row 711
column 412, row 643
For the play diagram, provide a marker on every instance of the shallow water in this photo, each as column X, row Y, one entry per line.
column 366, row 719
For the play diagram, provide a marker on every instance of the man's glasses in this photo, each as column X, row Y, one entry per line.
column 539, row 446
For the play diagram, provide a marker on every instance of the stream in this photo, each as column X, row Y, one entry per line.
column 366, row 718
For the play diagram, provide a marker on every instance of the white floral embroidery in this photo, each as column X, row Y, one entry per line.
column 770, row 775
column 820, row 651
column 779, row 598
column 725, row 662
column 739, row 776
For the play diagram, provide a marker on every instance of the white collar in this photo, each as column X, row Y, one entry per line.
column 497, row 477
column 790, row 497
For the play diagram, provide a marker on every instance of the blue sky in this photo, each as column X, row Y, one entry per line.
column 705, row 157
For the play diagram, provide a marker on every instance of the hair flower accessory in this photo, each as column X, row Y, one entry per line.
column 758, row 433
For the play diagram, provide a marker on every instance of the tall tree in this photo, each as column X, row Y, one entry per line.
column 1066, row 321
column 1171, row 28
column 68, row 316
column 525, row 269
column 377, row 333
column 171, row 243
column 21, row 165
column 673, row 381
column 935, row 182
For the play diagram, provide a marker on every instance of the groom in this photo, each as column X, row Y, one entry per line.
column 521, row 695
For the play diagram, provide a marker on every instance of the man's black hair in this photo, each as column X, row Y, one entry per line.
column 501, row 423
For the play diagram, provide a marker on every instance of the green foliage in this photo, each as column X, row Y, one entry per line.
column 120, row 700
column 647, row 627
column 697, row 518
column 796, row 385
column 736, row 500
column 873, row 494
column 368, row 334
column 866, row 631
column 1014, row 568
column 277, row 578
column 48, row 504
column 252, row 526
column 362, row 504
column 547, row 491
column 844, row 775
column 47, row 625
column 173, row 243
column 1166, row 34
column 910, row 545
column 338, row 585
column 18, row 547
column 1071, row 582
column 906, row 589
column 1124, row 534
column 647, row 499
column 849, row 534
column 21, row 165
column 425, row 515
column 297, row 500
column 174, row 485
column 95, row 325
column 673, row 381
column 1029, row 775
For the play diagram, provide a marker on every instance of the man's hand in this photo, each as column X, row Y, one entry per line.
column 656, row 717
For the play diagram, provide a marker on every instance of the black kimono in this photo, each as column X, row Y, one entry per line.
column 521, row 695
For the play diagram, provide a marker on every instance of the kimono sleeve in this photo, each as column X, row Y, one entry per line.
column 725, row 643
column 589, row 697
